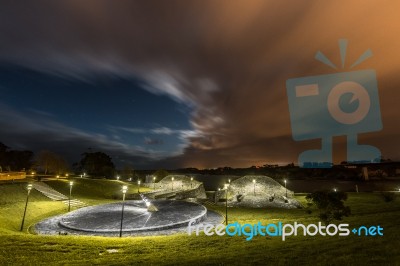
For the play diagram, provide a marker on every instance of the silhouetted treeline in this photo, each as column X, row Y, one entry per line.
column 14, row 160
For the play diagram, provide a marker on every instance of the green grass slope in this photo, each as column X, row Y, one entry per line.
column 26, row 249
column 94, row 189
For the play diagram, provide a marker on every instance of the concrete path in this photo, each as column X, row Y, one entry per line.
column 53, row 226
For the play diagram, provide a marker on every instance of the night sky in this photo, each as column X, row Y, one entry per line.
column 183, row 83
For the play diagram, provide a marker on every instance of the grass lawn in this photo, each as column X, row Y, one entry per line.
column 22, row 248
column 94, row 189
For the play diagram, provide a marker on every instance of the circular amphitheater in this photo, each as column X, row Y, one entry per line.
column 172, row 216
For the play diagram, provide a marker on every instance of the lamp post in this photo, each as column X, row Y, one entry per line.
column 172, row 183
column 226, row 204
column 254, row 182
column 191, row 182
column 29, row 188
column 154, row 182
column 71, row 183
column 285, row 187
column 138, row 188
column 124, row 190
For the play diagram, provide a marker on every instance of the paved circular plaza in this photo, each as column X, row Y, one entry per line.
column 172, row 216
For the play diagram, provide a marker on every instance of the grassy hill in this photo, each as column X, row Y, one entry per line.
column 94, row 189
column 12, row 203
column 13, row 197
column 18, row 248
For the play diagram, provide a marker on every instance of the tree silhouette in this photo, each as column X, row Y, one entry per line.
column 330, row 204
column 14, row 160
column 97, row 164
column 50, row 162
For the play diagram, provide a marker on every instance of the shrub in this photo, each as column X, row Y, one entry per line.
column 388, row 196
column 330, row 204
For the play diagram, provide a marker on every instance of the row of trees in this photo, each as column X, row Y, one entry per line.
column 13, row 160
column 96, row 164
column 49, row 162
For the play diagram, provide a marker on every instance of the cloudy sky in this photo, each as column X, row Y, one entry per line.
column 184, row 83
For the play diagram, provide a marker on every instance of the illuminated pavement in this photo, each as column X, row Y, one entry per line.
column 172, row 217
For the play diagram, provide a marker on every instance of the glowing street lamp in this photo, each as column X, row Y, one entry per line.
column 124, row 190
column 285, row 187
column 71, row 183
column 154, row 182
column 29, row 188
column 229, row 180
column 254, row 182
column 334, row 190
column 172, row 183
column 117, row 177
column 191, row 182
column 138, row 188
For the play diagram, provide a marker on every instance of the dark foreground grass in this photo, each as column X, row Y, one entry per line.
column 368, row 209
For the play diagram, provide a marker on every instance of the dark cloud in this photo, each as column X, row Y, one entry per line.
column 34, row 132
column 229, row 60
